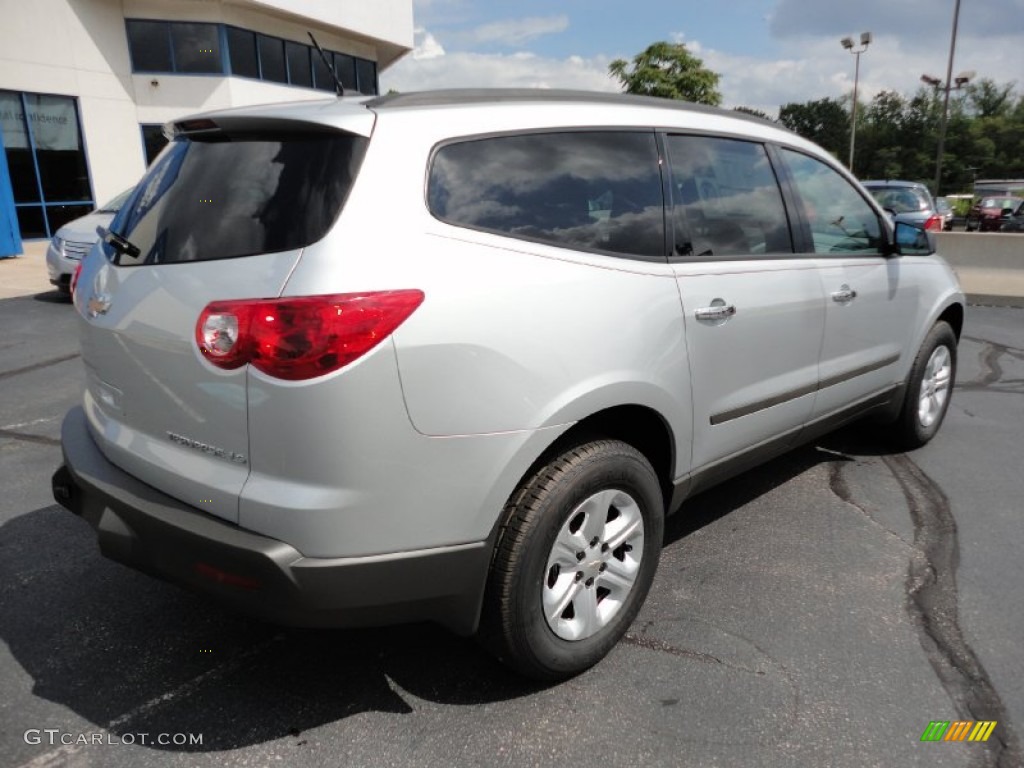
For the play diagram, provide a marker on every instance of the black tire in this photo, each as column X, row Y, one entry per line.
column 911, row 429
column 544, row 508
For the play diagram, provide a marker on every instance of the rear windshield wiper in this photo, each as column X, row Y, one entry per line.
column 122, row 245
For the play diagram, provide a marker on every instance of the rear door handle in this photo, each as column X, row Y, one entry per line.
column 716, row 311
column 844, row 295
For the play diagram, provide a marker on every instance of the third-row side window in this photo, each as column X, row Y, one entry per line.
column 596, row 190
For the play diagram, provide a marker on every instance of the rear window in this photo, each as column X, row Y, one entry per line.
column 222, row 196
column 900, row 199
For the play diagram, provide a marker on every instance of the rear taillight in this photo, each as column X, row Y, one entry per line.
column 304, row 337
column 74, row 278
column 934, row 223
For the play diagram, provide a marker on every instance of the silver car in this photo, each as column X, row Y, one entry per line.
column 455, row 356
column 72, row 241
column 909, row 202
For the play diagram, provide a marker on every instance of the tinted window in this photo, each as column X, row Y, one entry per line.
column 242, row 53
column 367, row 73
column 599, row 190
column 840, row 219
column 321, row 74
column 215, row 199
column 150, row 46
column 726, row 198
column 196, row 48
column 153, row 140
column 299, row 72
column 272, row 59
column 345, row 69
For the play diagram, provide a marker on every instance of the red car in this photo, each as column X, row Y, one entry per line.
column 990, row 213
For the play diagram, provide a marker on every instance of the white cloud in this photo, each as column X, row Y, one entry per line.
column 426, row 45
column 817, row 68
column 430, row 67
column 514, row 32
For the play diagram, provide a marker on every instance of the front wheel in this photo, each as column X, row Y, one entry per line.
column 574, row 560
column 928, row 389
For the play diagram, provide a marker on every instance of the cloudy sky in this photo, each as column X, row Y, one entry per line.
column 769, row 52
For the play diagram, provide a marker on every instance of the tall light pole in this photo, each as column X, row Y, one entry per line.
column 950, row 85
column 847, row 43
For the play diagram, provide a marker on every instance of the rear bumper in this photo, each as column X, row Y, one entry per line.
column 141, row 527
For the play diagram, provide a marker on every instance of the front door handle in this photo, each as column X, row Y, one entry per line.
column 718, row 310
column 844, row 295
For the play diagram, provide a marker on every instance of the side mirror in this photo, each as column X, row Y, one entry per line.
column 912, row 241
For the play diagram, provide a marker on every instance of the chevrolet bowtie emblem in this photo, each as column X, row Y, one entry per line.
column 98, row 304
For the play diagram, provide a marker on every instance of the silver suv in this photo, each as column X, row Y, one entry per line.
column 454, row 356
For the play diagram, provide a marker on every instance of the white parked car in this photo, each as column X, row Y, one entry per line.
column 72, row 241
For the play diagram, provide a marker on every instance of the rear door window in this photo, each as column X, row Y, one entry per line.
column 726, row 198
column 591, row 190
column 234, row 195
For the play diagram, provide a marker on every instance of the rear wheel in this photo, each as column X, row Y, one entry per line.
column 574, row 560
column 929, row 388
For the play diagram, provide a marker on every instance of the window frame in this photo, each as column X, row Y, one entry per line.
column 661, row 258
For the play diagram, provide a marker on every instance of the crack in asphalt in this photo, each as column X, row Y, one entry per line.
column 37, row 366
column 992, row 370
column 642, row 640
column 25, row 436
column 841, row 488
column 933, row 605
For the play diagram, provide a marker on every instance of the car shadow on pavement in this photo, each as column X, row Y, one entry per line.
column 715, row 503
column 133, row 655
column 53, row 297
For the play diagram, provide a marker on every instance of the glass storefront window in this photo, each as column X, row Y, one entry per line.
column 19, row 152
column 31, row 222
column 46, row 158
column 58, row 147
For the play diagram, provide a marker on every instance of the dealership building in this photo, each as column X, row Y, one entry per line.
column 86, row 85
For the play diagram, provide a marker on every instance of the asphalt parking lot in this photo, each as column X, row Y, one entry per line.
column 819, row 611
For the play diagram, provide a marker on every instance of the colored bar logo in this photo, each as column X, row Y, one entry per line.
column 958, row 730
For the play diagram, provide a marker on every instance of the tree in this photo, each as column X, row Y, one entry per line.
column 989, row 99
column 670, row 71
column 754, row 112
column 825, row 122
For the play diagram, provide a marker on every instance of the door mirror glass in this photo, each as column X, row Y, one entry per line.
column 913, row 241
